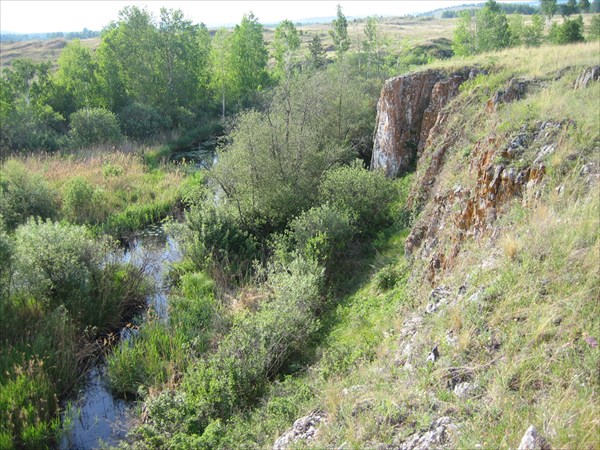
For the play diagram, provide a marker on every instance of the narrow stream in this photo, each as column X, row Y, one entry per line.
column 97, row 417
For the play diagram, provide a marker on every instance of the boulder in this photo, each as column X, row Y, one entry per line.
column 304, row 429
column 532, row 440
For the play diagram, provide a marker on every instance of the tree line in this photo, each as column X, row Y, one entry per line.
column 489, row 28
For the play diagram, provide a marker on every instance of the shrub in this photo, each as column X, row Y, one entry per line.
column 570, row 31
column 93, row 126
column 64, row 265
column 322, row 232
column 140, row 121
column 213, row 238
column 595, row 27
column 364, row 195
column 81, row 202
column 23, row 195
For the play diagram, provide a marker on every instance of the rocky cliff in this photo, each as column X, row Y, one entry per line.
column 410, row 106
column 413, row 127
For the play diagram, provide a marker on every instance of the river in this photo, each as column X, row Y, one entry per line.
column 95, row 417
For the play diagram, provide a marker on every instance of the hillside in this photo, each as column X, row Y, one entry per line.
column 488, row 323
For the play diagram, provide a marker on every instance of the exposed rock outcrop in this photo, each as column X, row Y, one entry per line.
column 516, row 89
column 304, row 429
column 408, row 109
column 502, row 173
column 587, row 76
column 533, row 440
column 441, row 434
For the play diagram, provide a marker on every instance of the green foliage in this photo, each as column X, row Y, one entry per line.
column 548, row 8
column 160, row 63
column 214, row 239
column 269, row 167
column 322, row 232
column 254, row 349
column 317, row 52
column 595, row 27
column 23, row 195
column 141, row 122
column 571, row 30
column 93, row 126
column 76, row 84
column 584, row 6
column 366, row 196
column 528, row 35
column 339, row 33
column 29, row 406
column 249, row 57
column 286, row 42
column 487, row 31
column 82, row 203
column 149, row 358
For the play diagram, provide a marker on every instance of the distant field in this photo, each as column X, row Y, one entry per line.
column 38, row 50
column 398, row 32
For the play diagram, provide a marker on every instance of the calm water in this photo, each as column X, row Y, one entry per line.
column 96, row 416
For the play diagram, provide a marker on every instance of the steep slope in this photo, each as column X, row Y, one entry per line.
column 485, row 335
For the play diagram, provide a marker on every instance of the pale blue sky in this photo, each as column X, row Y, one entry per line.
column 44, row 16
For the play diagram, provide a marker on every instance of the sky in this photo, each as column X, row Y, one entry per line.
column 23, row 16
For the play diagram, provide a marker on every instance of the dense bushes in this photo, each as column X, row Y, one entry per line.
column 255, row 348
column 59, row 290
column 23, row 194
column 93, row 126
column 571, row 30
column 366, row 196
column 140, row 121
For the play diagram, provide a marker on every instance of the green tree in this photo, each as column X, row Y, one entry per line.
column 595, row 6
column 487, row 31
column 248, row 59
column 584, row 6
column 76, row 80
column 92, row 126
column 286, row 43
column 317, row 52
column 528, row 35
column 569, row 8
column 595, row 27
column 339, row 33
column 571, row 30
column 548, row 8
column 373, row 44
column 183, row 53
column 221, row 80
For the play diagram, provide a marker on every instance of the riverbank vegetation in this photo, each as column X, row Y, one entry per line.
column 293, row 289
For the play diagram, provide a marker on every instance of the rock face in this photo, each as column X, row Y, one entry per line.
column 409, row 107
column 532, row 440
column 587, row 76
column 304, row 429
column 501, row 173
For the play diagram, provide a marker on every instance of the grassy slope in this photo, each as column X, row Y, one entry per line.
column 524, row 331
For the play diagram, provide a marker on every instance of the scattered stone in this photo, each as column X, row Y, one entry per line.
column 355, row 388
column 516, row 89
column 304, row 429
column 451, row 339
column 532, row 440
column 434, row 355
column 441, row 434
column 439, row 296
column 590, row 74
column 464, row 390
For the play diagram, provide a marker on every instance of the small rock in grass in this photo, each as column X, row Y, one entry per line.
column 532, row 440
